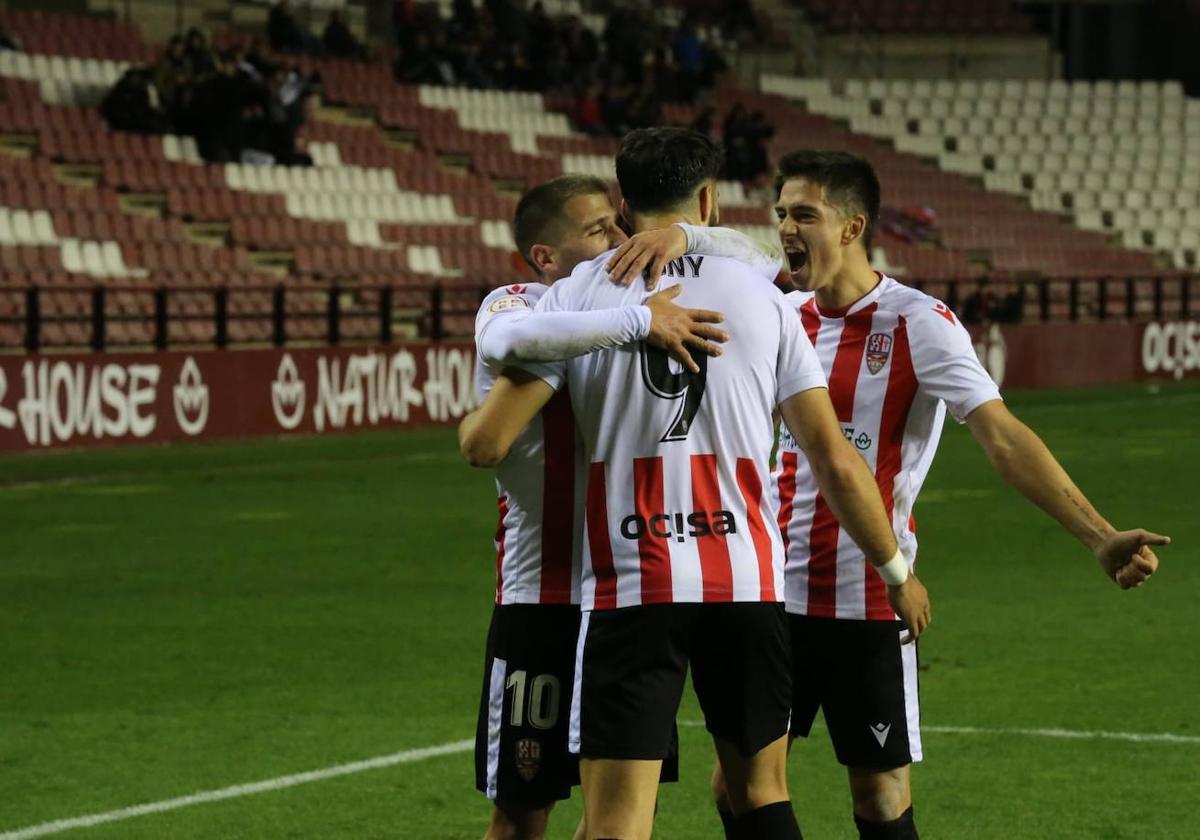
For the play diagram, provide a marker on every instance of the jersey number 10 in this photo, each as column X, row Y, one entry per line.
column 685, row 386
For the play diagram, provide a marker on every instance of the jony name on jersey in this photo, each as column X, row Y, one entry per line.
column 679, row 526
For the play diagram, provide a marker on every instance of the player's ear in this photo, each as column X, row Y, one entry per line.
column 854, row 228
column 543, row 258
column 708, row 204
column 625, row 218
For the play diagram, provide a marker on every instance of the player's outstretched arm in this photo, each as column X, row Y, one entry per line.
column 487, row 434
column 847, row 484
column 1025, row 462
column 653, row 249
column 555, row 336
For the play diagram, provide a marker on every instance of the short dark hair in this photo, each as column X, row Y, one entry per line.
column 541, row 209
column 660, row 168
column 850, row 182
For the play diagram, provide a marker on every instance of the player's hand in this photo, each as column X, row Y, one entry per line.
column 910, row 600
column 653, row 248
column 676, row 330
column 1127, row 558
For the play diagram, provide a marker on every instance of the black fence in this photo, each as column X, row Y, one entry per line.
column 236, row 315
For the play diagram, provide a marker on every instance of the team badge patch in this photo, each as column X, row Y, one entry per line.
column 505, row 303
column 879, row 347
column 529, row 758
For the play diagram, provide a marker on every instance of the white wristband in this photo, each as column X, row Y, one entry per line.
column 895, row 571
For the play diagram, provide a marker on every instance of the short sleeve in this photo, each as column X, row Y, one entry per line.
column 945, row 361
column 506, row 301
column 515, row 301
column 799, row 368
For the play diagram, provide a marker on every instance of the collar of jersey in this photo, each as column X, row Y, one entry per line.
column 866, row 300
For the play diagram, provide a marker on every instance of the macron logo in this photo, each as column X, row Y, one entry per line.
column 880, row 732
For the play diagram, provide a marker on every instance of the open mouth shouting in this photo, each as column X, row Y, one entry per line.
column 797, row 257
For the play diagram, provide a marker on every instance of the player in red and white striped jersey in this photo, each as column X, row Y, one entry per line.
column 521, row 757
column 897, row 360
column 683, row 561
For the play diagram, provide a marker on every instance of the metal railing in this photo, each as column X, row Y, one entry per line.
column 436, row 313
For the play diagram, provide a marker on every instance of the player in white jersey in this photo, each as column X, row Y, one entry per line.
column 522, row 762
column 682, row 561
column 897, row 360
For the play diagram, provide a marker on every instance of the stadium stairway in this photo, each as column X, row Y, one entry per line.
column 412, row 187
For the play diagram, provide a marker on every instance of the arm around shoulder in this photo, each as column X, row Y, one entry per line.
column 487, row 434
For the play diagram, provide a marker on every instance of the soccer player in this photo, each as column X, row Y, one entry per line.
column 522, row 761
column 897, row 361
column 682, row 560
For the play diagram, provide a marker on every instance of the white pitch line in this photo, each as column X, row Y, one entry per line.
column 1078, row 734
column 409, row 756
column 406, row 757
column 1074, row 734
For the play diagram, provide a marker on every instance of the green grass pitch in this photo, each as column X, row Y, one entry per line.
column 184, row 619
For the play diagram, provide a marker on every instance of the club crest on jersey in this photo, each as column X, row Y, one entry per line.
column 529, row 758
column 879, row 347
column 517, row 289
column 510, row 302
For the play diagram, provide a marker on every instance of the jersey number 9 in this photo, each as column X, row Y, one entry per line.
column 685, row 386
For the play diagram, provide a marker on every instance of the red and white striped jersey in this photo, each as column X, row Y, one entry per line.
column 679, row 507
column 539, row 484
column 895, row 359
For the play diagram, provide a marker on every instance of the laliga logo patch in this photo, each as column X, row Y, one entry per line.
column 506, row 303
column 287, row 394
column 529, row 758
column 879, row 347
column 191, row 399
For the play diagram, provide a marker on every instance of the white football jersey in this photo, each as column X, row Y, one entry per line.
column 895, row 360
column 679, row 507
column 539, row 484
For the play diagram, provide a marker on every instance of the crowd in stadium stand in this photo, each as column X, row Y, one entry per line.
column 287, row 35
column 238, row 105
column 618, row 81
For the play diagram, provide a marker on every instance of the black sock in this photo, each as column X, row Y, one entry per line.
column 729, row 821
column 771, row 822
column 901, row 828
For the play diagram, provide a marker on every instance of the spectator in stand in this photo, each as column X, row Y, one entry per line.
column 199, row 55
column 339, row 41
column 689, row 58
column 704, row 121
column 172, row 76
column 615, row 101
column 9, row 42
column 221, row 109
column 464, row 15
column 587, row 113
column 425, row 62
column 286, row 35
column 133, row 104
column 583, row 49
column 282, row 30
